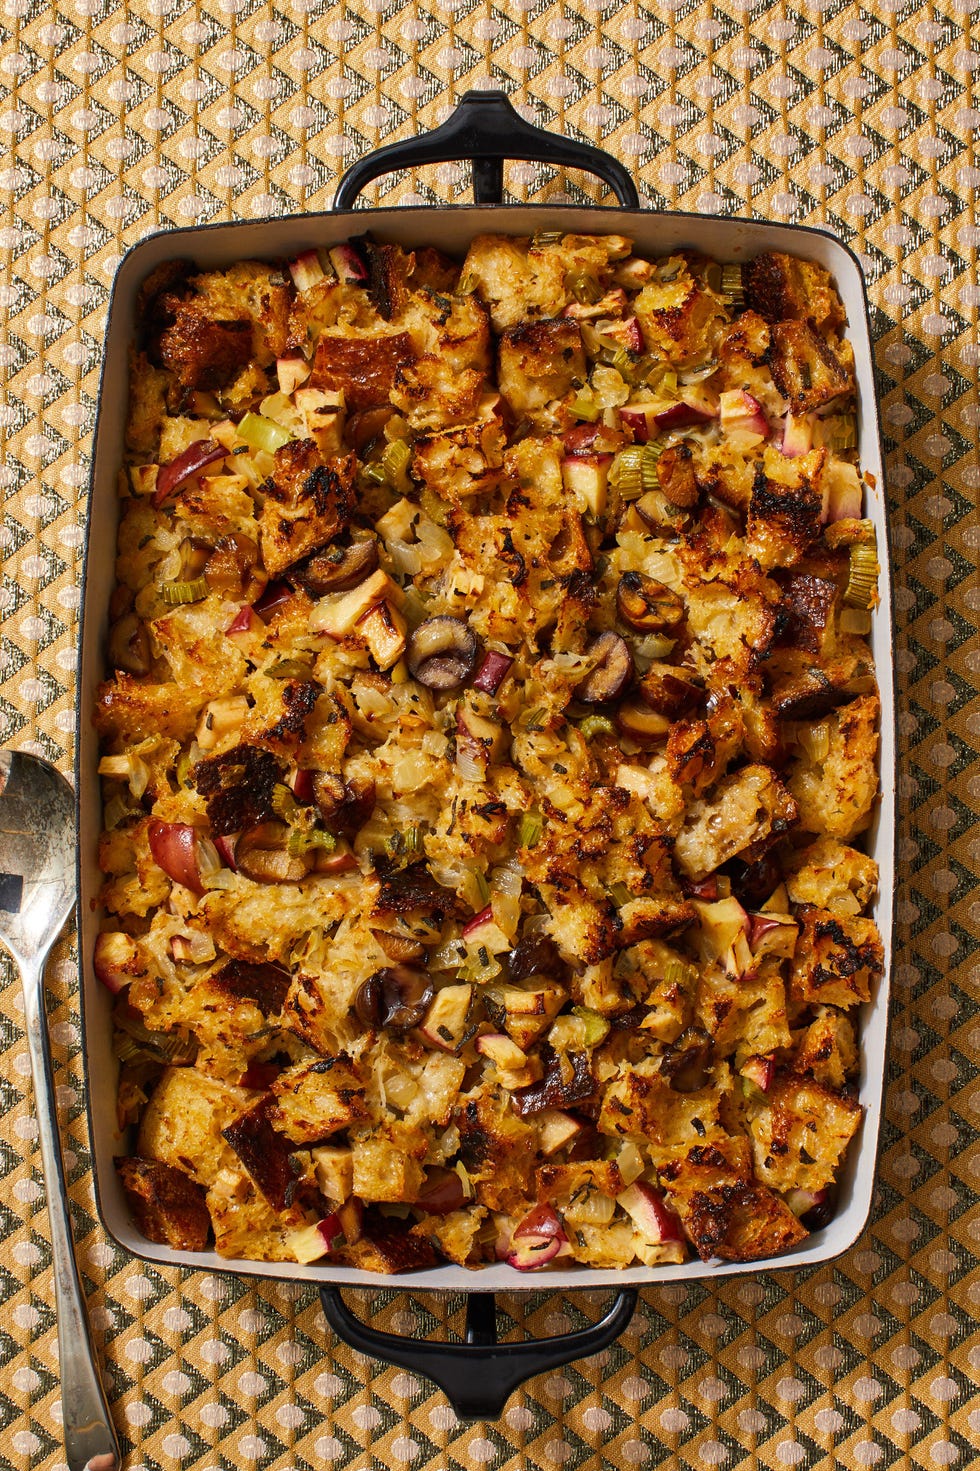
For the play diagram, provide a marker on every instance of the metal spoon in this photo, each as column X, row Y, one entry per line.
column 37, row 894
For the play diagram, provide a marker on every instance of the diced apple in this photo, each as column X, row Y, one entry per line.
column 291, row 373
column 306, row 270
column 220, row 719
column 797, row 435
column 384, row 631
column 501, row 1050
column 532, row 1252
column 738, row 959
column 759, row 1072
column 843, row 498
column 310, row 1243
column 323, row 415
column 627, row 332
column 650, row 1214
column 143, row 479
column 349, row 264
column 695, row 407
column 244, row 627
column 612, row 303
column 740, row 411
column 528, row 1013
column 338, row 613
column 483, row 930
column 773, row 934
column 479, row 742
column 720, row 923
column 194, row 948
column 444, row 1024
column 117, row 960
column 802, row 1202
column 586, row 479
column 334, row 1171
column 556, row 1129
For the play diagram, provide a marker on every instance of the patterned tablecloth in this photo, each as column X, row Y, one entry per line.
column 116, row 122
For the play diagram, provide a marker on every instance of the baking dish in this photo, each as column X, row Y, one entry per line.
column 486, row 129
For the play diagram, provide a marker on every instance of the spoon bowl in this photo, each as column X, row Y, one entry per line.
column 37, row 894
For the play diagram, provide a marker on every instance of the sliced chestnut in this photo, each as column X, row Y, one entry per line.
column 400, row 948
column 344, row 806
column 645, row 726
column 443, row 652
column 230, row 569
column 664, row 689
column 675, row 471
column 687, row 1063
column 646, row 604
column 262, row 855
column 129, row 645
column 363, row 429
column 534, row 955
column 334, row 569
column 395, row 997
column 753, row 883
column 612, row 673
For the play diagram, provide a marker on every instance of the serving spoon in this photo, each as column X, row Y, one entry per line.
column 37, row 894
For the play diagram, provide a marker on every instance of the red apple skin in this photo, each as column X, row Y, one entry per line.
column 174, row 846
column 541, row 1220
column 660, row 1224
column 532, row 1252
column 193, row 459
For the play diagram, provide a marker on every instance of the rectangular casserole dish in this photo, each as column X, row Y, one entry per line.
column 487, row 129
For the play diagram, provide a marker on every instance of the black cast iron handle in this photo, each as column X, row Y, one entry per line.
column 478, row 1376
column 487, row 129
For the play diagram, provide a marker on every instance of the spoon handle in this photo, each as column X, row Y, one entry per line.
column 91, row 1443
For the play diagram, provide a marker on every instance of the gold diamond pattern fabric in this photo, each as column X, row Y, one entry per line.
column 116, row 121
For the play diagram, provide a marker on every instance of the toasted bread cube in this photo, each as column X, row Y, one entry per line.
column 641, row 1105
column 799, row 1136
column 168, row 1206
column 385, row 1246
column 827, row 1050
column 723, row 1212
column 363, row 368
column 183, row 1123
column 244, row 1223
column 314, row 1100
column 454, row 1234
column 747, row 812
column 537, row 362
column 838, row 959
column 781, row 287
column 806, row 369
column 680, row 319
column 831, row 875
column 836, row 795
column 382, row 1172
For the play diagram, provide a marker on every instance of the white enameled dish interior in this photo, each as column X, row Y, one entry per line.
column 452, row 229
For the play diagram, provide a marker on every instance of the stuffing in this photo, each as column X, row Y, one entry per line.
column 745, row 814
column 835, row 790
column 838, row 958
column 167, row 1205
column 782, row 287
column 800, row 1133
column 487, row 729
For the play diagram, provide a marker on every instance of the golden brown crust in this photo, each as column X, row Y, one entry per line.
column 168, row 1207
